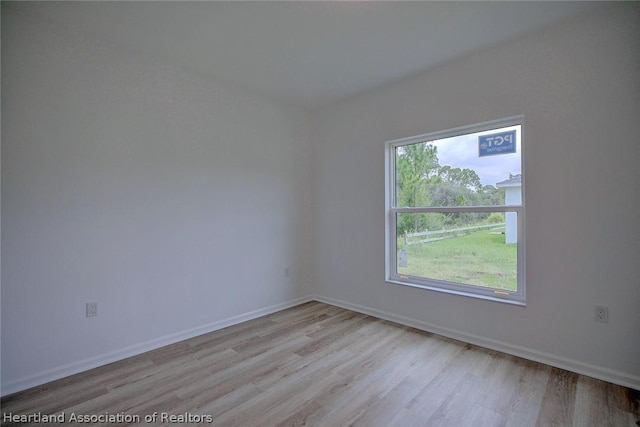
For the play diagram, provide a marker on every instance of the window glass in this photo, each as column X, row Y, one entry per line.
column 454, row 171
column 475, row 255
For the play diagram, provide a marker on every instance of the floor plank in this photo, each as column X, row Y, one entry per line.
column 559, row 399
column 320, row 365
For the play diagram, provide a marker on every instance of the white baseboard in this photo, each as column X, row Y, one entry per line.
column 601, row 373
column 114, row 356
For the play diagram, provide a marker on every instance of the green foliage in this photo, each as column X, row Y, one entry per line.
column 415, row 166
column 460, row 178
column 426, row 221
column 496, row 218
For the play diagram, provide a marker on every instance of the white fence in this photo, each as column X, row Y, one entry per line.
column 435, row 235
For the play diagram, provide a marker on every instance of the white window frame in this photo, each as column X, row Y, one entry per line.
column 392, row 275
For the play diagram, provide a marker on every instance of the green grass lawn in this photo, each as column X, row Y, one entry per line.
column 481, row 259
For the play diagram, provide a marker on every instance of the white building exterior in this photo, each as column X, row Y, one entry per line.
column 512, row 196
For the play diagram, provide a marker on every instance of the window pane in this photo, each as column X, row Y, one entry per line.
column 477, row 249
column 475, row 169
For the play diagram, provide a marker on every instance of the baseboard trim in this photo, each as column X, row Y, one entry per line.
column 598, row 372
column 114, row 356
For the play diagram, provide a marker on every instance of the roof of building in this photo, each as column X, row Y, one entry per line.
column 516, row 181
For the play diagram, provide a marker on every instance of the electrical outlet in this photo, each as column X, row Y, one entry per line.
column 286, row 272
column 602, row 314
column 92, row 309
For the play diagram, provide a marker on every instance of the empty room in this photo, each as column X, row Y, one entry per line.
column 320, row 213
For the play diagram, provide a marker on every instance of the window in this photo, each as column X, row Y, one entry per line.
column 455, row 211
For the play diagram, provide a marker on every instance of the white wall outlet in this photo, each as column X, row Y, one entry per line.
column 602, row 314
column 92, row 309
column 287, row 272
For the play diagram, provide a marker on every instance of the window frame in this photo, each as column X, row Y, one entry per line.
column 391, row 273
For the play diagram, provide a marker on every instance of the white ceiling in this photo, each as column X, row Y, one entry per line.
column 307, row 54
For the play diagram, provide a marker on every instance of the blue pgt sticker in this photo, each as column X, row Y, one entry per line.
column 497, row 143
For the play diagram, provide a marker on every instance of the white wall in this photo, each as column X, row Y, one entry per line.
column 174, row 201
column 578, row 86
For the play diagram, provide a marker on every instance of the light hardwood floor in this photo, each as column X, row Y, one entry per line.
column 320, row 365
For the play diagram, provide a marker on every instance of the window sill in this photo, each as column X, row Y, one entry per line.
column 461, row 293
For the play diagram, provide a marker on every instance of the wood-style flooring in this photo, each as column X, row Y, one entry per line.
column 320, row 365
